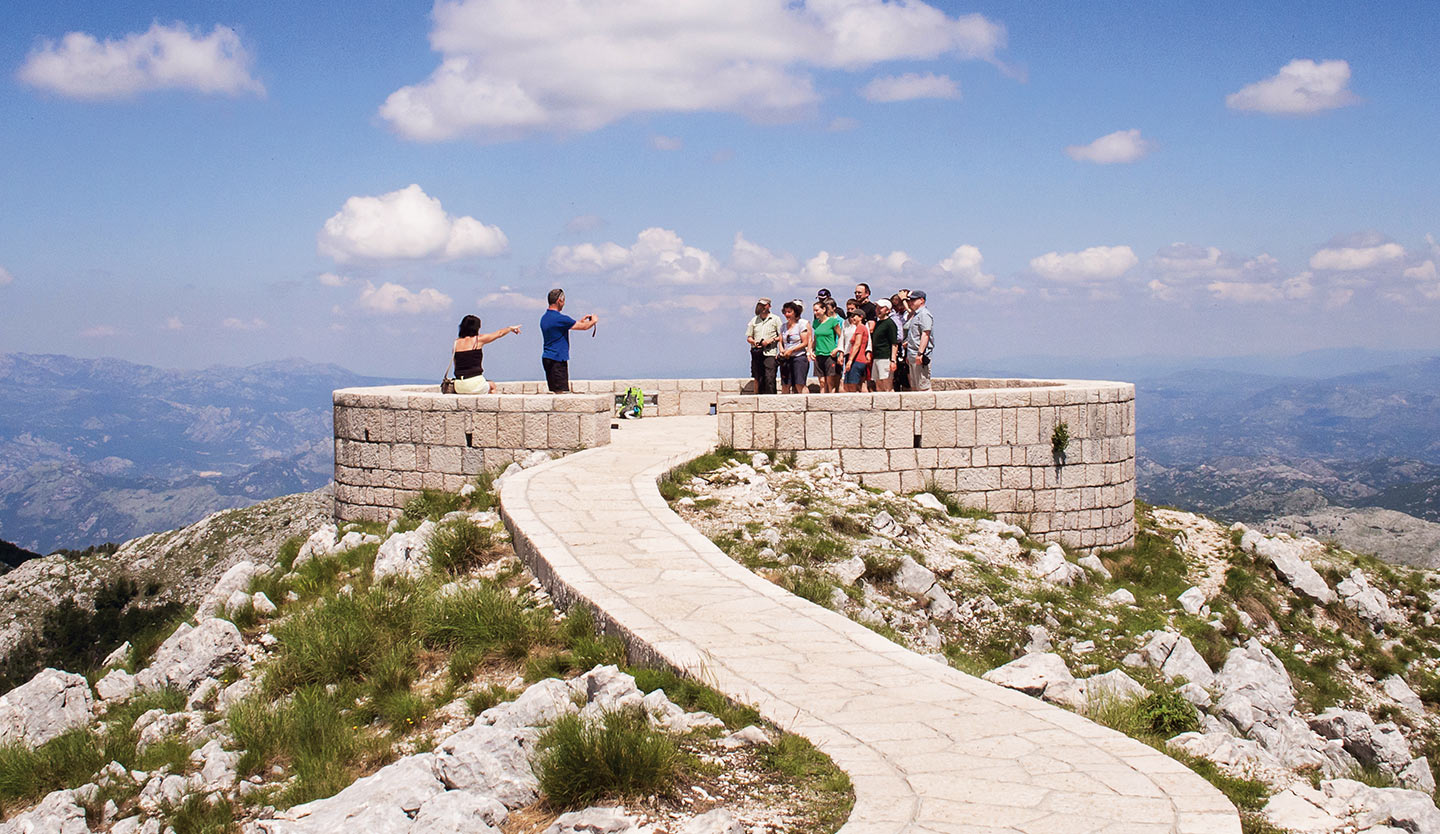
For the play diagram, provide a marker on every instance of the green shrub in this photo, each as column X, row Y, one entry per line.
column 343, row 638
column 432, row 504
column 484, row 618
column 458, row 546
column 809, row 584
column 1167, row 714
column 619, row 757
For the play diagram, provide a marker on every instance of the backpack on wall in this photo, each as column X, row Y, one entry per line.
column 633, row 406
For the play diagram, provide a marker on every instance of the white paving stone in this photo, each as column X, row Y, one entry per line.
column 927, row 747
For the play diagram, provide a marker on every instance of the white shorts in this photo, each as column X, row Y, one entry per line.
column 881, row 370
column 472, row 385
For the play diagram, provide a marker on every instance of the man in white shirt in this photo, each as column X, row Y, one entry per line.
column 763, row 334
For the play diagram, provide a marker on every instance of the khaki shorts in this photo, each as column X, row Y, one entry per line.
column 472, row 385
column 882, row 370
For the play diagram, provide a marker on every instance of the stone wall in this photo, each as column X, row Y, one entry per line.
column 392, row 442
column 673, row 397
column 988, row 441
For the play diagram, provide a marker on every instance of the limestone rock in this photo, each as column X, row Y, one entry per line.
column 1286, row 556
column 217, row 766
column 320, row 543
column 490, row 761
column 46, row 706
column 117, row 685
column 58, row 813
column 460, row 812
column 237, row 578
column 849, row 571
column 717, row 821
column 751, row 736
column 1039, row 639
column 381, row 802
column 1294, row 810
column 1122, row 596
column 939, row 604
column 1092, row 563
column 1053, row 567
column 263, row 605
column 884, row 524
column 117, row 657
column 1032, row 674
column 595, row 821
column 1114, row 684
column 1192, row 600
column 535, row 458
column 404, row 554
column 190, row 655
column 537, row 706
column 1372, row 807
column 1378, row 745
column 1226, row 750
column 927, row 501
column 1366, row 600
column 1175, row 656
column 913, row 578
column 1417, row 776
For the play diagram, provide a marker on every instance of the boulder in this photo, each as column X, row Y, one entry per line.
column 1092, row 563
column 1116, row 685
column 1032, row 674
column 540, row 704
column 913, row 578
column 263, row 605
column 1052, row 566
column 1226, row 750
column 883, row 524
column 1366, row 600
column 718, row 820
column 237, row 578
column 1285, row 555
column 927, row 501
column 217, row 766
column 1373, row 807
column 1039, row 639
column 1121, row 596
column 117, row 685
column 380, row 803
column 190, row 655
column 1296, row 810
column 939, row 604
column 460, row 812
column 847, row 572
column 1400, row 692
column 1175, row 656
column 751, row 736
column 404, row 554
column 117, row 657
column 489, row 761
column 45, row 707
column 1417, row 776
column 320, row 543
column 1192, row 600
column 594, row 821
column 1376, row 745
column 1254, row 675
column 60, row 812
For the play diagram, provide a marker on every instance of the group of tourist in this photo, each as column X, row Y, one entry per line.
column 881, row 345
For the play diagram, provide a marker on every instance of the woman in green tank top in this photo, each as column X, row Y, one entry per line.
column 826, row 328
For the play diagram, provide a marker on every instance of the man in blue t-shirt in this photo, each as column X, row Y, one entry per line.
column 555, row 328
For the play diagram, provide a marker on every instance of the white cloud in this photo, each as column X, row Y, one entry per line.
column 1300, row 88
column 405, row 225
column 101, row 331
column 175, row 57
column 393, row 298
column 658, row 256
column 1093, row 264
column 1353, row 258
column 825, row 268
column 1244, row 292
column 1162, row 291
column 1120, row 146
column 174, row 323
column 6, row 277
column 511, row 67
column 841, row 124
column 1423, row 272
column 330, row 279
column 661, row 142
column 1300, row 286
column 752, row 259
column 964, row 265
column 244, row 325
column 911, row 85
column 507, row 298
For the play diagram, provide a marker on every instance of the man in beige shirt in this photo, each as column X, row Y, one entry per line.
column 763, row 334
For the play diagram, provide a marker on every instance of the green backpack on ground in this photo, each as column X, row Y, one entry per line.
column 634, row 403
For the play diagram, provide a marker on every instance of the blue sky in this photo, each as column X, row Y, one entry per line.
column 229, row 182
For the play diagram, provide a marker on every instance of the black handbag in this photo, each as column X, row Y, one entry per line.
column 447, row 384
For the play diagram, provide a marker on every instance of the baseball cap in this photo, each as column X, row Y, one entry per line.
column 882, row 303
column 823, row 294
column 920, row 294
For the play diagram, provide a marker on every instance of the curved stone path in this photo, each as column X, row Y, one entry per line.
column 928, row 748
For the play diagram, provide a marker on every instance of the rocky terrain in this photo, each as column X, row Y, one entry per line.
column 100, row 450
column 409, row 677
column 1300, row 677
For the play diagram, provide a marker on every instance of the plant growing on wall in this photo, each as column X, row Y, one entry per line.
column 1059, row 440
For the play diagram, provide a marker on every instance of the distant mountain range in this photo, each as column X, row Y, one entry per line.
column 97, row 450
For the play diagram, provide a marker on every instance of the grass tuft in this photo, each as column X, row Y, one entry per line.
column 619, row 757
column 458, row 546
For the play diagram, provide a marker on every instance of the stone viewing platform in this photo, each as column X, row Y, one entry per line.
column 989, row 441
column 928, row 748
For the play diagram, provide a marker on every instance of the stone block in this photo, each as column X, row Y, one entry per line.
column 857, row 461
column 540, row 402
column 432, row 429
column 1000, row 501
column 917, row 400
column 1027, row 426
column 724, row 429
column 958, row 458
column 845, row 428
column 837, row 402
column 537, row 430
column 445, row 459
column 956, row 400
column 455, row 424
column 790, row 430
column 881, row 480
column 982, row 479
column 813, row 457
column 872, row 429
column 497, row 459
column 899, row 429
column 410, row 480
column 817, row 430
column 937, row 428
column 743, row 436
column 926, row 458
column 987, row 427
column 595, row 429
column 689, row 385
column 901, row 459
column 965, row 428
column 1012, row 397
column 510, row 430
column 1007, row 425
column 885, row 400
column 481, row 402
column 782, row 402
column 422, row 457
column 764, row 431
column 564, row 431
column 1015, row 477
column 483, row 427
column 575, row 404
column 512, row 403
column 945, row 479
column 912, row 480
column 695, row 403
column 472, row 462
column 402, row 456
column 735, row 403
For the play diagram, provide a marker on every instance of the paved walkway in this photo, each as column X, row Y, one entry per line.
column 929, row 749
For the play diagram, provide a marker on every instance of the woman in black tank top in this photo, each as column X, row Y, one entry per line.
column 469, row 356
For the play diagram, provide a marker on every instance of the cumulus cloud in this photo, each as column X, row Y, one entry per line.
column 1112, row 148
column 1300, row 88
column 661, row 142
column 964, row 265
column 405, row 225
column 658, row 256
column 174, row 57
column 1162, row 291
column 911, row 85
column 391, row 298
column 509, row 67
column 1422, row 272
column 101, row 331
column 6, row 277
column 331, row 279
column 244, row 324
column 508, row 298
column 751, row 258
column 1098, row 263
column 825, row 268
column 1354, row 258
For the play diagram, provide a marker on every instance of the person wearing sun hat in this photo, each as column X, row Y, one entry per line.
column 763, row 334
column 884, row 344
column 919, row 330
